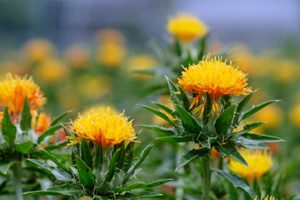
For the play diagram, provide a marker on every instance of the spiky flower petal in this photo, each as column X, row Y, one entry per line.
column 14, row 89
column 104, row 126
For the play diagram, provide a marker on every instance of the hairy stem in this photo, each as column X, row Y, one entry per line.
column 206, row 178
column 17, row 170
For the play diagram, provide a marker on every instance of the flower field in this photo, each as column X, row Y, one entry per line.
column 188, row 118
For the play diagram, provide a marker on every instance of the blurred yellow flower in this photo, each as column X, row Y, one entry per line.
column 286, row 71
column 103, row 125
column 294, row 115
column 243, row 58
column 140, row 62
column 215, row 77
column 37, row 50
column 111, row 54
column 186, row 27
column 68, row 98
column 14, row 67
column 267, row 197
column 77, row 57
column 52, row 70
column 259, row 162
column 93, row 87
column 41, row 122
column 271, row 115
column 14, row 89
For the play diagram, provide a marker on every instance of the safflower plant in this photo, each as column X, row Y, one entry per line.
column 22, row 133
column 209, row 112
column 102, row 164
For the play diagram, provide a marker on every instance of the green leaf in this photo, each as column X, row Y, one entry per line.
column 49, row 132
column 240, row 107
column 190, row 156
column 59, row 174
column 128, row 156
column 9, row 130
column 58, row 118
column 4, row 167
column 236, row 181
column 26, row 116
column 99, row 157
column 246, row 129
column 251, row 144
column 25, row 147
column 159, row 129
column 142, row 185
column 256, row 109
column 137, row 163
column 68, row 189
column 173, row 89
column 207, row 108
column 188, row 60
column 48, row 192
column 263, row 138
column 176, row 139
column 54, row 159
column 160, row 114
column 165, row 108
column 85, row 153
column 86, row 176
column 112, row 166
column 189, row 123
column 120, row 161
column 184, row 98
column 229, row 150
column 224, row 122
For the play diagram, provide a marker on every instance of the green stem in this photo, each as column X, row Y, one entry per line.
column 17, row 180
column 206, row 178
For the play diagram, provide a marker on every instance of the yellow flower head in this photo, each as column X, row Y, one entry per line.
column 186, row 27
column 14, row 89
column 103, row 125
column 259, row 162
column 215, row 77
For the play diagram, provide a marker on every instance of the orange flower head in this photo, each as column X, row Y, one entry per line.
column 14, row 89
column 102, row 125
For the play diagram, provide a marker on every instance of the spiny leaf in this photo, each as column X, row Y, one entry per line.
column 159, row 129
column 256, row 109
column 26, row 116
column 24, row 147
column 160, row 114
column 9, row 130
column 224, row 121
column 86, row 176
column 58, row 118
column 174, row 139
column 190, row 156
column 137, row 163
column 112, row 166
column 49, row 132
column 189, row 123
column 85, row 153
column 236, row 181
column 229, row 150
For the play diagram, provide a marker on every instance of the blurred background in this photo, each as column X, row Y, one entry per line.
column 260, row 24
